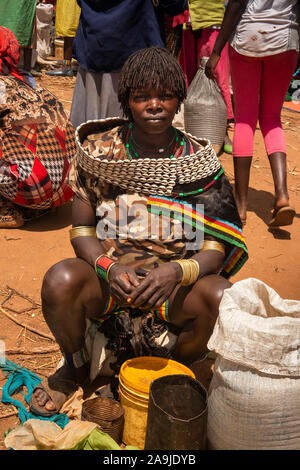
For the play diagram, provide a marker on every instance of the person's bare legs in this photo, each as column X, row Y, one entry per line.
column 195, row 309
column 71, row 292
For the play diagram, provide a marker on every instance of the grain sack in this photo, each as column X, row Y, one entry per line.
column 254, row 396
column 205, row 114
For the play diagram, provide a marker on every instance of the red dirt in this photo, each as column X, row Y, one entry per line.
column 28, row 252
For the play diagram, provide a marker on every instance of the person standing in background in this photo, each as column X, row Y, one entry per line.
column 263, row 52
column 107, row 34
column 66, row 22
column 19, row 17
column 206, row 18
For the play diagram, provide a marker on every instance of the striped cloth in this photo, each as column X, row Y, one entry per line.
column 218, row 228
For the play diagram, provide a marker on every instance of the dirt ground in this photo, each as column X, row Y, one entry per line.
column 27, row 253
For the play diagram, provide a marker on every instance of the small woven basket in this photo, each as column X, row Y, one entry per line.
column 107, row 413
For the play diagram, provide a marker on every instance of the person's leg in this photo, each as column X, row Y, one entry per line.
column 277, row 73
column 245, row 78
column 242, row 168
column 71, row 292
column 27, row 51
column 187, row 58
column 68, row 43
column 195, row 309
column 66, row 70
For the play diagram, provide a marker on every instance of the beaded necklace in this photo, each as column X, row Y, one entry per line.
column 132, row 152
column 178, row 150
column 201, row 190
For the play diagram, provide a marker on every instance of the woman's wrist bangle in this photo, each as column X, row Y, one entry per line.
column 190, row 271
column 82, row 231
column 213, row 245
column 103, row 265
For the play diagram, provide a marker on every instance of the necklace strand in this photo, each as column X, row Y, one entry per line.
column 130, row 151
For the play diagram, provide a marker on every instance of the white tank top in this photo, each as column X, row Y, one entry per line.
column 267, row 27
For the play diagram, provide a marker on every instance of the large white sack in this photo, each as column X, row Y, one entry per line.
column 254, row 396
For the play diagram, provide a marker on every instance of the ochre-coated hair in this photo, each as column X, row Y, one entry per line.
column 153, row 67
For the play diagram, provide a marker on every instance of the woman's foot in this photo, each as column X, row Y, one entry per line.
column 283, row 214
column 10, row 215
column 50, row 395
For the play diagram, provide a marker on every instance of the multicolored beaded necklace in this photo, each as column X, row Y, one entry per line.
column 131, row 145
column 179, row 149
column 201, row 190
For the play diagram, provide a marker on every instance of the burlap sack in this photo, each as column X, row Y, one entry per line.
column 205, row 113
column 254, row 396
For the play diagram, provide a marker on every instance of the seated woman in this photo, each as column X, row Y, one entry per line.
column 155, row 230
column 37, row 143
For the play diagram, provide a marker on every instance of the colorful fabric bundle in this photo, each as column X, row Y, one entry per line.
column 36, row 147
column 9, row 52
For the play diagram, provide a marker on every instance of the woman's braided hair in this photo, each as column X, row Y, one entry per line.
column 153, row 67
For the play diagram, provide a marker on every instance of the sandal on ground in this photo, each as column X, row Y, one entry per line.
column 61, row 390
column 10, row 215
column 283, row 216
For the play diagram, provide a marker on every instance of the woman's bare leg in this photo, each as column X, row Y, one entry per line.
column 196, row 310
column 71, row 292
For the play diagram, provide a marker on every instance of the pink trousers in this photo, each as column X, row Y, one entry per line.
column 259, row 88
column 193, row 49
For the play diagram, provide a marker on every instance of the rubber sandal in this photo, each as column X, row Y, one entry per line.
column 283, row 216
column 61, row 390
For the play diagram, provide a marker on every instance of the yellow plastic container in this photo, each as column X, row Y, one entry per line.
column 135, row 378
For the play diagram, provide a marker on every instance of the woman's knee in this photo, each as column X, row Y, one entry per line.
column 210, row 290
column 63, row 280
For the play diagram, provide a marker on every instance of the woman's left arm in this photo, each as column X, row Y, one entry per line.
column 233, row 13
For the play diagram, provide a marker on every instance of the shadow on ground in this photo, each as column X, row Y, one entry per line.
column 262, row 203
column 53, row 220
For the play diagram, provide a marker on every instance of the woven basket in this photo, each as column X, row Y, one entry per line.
column 107, row 413
column 145, row 175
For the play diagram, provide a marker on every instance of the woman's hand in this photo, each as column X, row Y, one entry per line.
column 122, row 281
column 211, row 65
column 156, row 288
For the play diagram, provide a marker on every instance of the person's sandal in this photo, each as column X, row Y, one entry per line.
column 61, row 389
column 283, row 216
